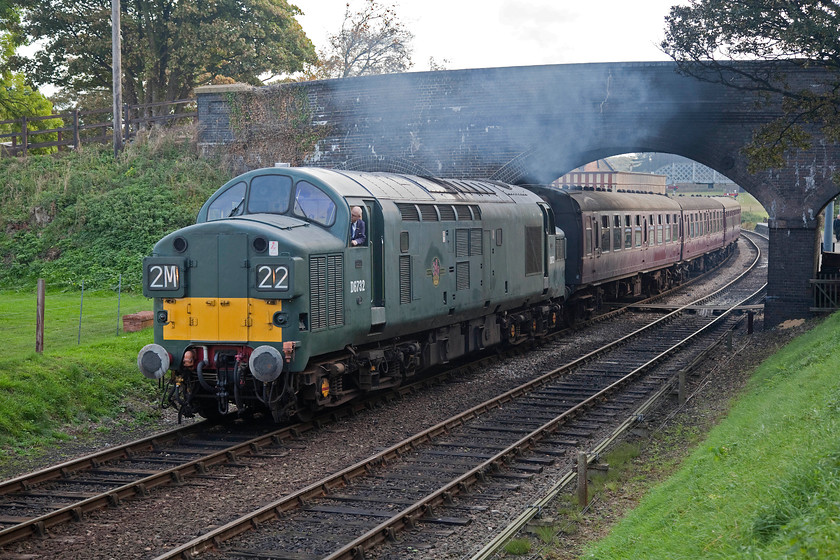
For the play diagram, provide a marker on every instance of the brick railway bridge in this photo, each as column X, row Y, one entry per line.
column 533, row 124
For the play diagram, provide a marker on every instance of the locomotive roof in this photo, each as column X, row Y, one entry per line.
column 403, row 187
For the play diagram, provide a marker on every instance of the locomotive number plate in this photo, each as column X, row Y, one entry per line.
column 163, row 277
column 274, row 277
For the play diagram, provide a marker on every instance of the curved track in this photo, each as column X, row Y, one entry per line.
column 505, row 439
column 30, row 505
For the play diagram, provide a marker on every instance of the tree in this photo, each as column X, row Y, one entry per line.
column 372, row 40
column 168, row 46
column 707, row 37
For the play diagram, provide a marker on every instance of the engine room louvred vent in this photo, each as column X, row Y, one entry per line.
column 462, row 242
column 476, row 247
column 326, row 299
column 447, row 214
column 476, row 210
column 463, row 212
column 335, row 281
column 428, row 213
column 408, row 212
column 405, row 279
column 462, row 276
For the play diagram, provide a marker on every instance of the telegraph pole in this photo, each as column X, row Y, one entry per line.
column 116, row 57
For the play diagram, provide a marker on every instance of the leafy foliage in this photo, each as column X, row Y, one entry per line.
column 372, row 40
column 271, row 125
column 706, row 37
column 87, row 217
column 18, row 99
column 169, row 46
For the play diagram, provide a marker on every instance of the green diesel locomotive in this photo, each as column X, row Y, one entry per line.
column 265, row 303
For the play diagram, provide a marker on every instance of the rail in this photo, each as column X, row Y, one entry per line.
column 410, row 515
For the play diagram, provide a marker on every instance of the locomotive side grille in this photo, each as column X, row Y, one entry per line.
column 408, row 212
column 462, row 275
column 318, row 292
column 476, row 210
column 428, row 213
column 447, row 214
column 335, row 281
column 560, row 249
column 405, row 279
column 462, row 242
column 463, row 212
column 533, row 250
column 326, row 299
column 476, row 248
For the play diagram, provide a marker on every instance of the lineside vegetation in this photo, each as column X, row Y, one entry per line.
column 764, row 483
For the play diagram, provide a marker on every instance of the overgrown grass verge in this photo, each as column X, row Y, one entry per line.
column 71, row 388
column 764, row 484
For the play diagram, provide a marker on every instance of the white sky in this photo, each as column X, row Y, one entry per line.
column 488, row 33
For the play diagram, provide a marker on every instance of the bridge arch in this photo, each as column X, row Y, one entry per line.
column 532, row 124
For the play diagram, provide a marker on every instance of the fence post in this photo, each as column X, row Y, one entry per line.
column 81, row 307
column 76, row 136
column 39, row 317
column 24, row 133
column 119, row 296
column 582, row 490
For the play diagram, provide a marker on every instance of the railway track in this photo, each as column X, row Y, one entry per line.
column 504, row 440
column 31, row 505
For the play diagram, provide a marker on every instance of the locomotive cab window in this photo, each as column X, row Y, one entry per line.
column 314, row 204
column 229, row 203
column 270, row 194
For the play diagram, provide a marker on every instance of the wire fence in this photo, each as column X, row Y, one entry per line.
column 69, row 318
column 71, row 129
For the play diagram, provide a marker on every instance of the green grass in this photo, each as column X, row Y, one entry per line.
column 47, row 397
column 765, row 484
column 62, row 312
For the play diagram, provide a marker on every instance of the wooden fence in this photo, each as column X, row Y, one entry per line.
column 96, row 125
column 826, row 294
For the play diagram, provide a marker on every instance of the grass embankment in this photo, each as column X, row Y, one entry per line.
column 85, row 218
column 766, row 482
column 64, row 391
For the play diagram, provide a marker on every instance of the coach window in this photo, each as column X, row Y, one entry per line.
column 628, row 232
column 667, row 228
column 587, row 236
column 605, row 233
column 659, row 229
column 651, row 230
column 616, row 233
column 314, row 204
column 638, row 231
column 269, row 193
column 229, row 203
